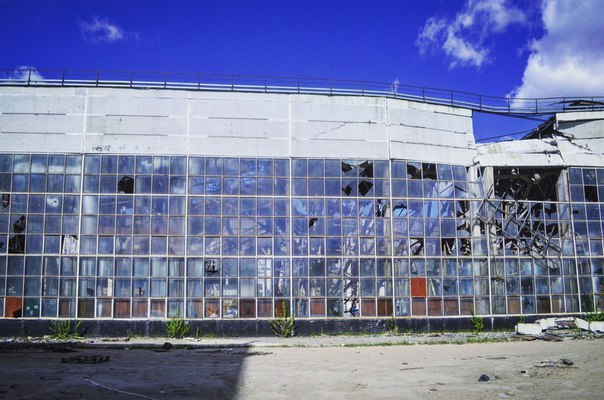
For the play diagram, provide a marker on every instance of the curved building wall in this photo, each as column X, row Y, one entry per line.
column 142, row 204
column 131, row 121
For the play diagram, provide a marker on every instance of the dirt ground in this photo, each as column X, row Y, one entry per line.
column 517, row 370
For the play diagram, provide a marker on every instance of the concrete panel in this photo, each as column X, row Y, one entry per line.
column 430, row 137
column 238, row 128
column 236, row 96
column 584, row 160
column 421, row 152
column 240, row 109
column 41, row 123
column 41, row 104
column 528, row 146
column 339, row 109
column 431, row 120
column 333, row 149
column 411, row 105
column 249, row 147
column 46, row 143
column 136, row 105
column 122, row 144
column 42, row 91
column 579, row 115
column 525, row 160
column 140, row 93
column 341, row 131
column 143, row 125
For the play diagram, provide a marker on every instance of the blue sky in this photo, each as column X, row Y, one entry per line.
column 525, row 48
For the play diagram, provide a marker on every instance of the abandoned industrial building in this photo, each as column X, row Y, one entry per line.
column 142, row 200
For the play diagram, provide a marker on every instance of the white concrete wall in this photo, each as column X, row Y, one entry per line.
column 134, row 121
column 586, row 129
column 577, row 141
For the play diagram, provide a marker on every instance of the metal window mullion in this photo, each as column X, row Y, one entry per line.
column 391, row 201
column 77, row 288
column 292, row 304
column 186, row 225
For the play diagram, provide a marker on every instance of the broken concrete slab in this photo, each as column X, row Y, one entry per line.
column 555, row 323
column 596, row 326
column 582, row 324
column 529, row 329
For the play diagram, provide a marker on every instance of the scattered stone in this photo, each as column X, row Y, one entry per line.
column 167, row 346
column 484, row 378
column 567, row 362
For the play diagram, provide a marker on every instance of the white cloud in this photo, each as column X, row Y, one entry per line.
column 25, row 73
column 100, row 30
column 462, row 38
column 568, row 59
column 395, row 84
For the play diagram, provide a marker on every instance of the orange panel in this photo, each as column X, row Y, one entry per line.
column 418, row 287
column 13, row 307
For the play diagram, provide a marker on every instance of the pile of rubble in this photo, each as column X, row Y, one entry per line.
column 556, row 329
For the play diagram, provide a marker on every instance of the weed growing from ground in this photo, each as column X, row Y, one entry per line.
column 477, row 322
column 284, row 326
column 62, row 330
column 177, row 328
column 594, row 316
column 392, row 327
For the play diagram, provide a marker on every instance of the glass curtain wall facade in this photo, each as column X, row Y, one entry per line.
column 125, row 236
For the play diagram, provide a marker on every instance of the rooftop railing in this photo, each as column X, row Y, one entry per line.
column 293, row 85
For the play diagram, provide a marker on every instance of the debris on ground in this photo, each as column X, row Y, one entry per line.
column 484, row 378
column 564, row 327
column 94, row 359
column 561, row 363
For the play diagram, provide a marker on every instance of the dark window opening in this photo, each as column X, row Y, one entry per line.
column 429, row 171
column 366, row 169
column 346, row 167
column 538, row 184
column 126, row 185
column 413, row 172
column 591, row 193
column 364, row 187
column 16, row 244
